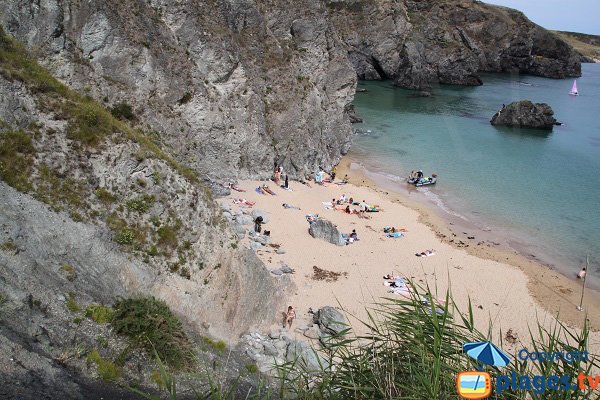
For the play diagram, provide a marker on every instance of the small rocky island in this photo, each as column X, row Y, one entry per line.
column 525, row 114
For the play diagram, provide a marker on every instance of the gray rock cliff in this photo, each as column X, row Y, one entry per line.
column 235, row 87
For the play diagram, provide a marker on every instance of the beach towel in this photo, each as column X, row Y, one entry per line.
column 395, row 235
column 259, row 191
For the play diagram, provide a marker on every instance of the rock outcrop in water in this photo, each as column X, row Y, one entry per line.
column 235, row 87
column 525, row 114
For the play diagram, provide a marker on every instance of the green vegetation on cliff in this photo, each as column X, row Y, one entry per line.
column 151, row 325
column 587, row 45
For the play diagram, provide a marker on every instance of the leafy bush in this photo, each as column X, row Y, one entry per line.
column 151, row 325
column 122, row 111
column 99, row 313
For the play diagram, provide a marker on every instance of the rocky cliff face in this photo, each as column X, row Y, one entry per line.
column 237, row 86
column 92, row 210
column 420, row 43
column 233, row 86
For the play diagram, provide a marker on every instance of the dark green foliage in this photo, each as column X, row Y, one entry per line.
column 122, row 111
column 16, row 159
column 151, row 325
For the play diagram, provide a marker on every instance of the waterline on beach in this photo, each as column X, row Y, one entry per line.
column 537, row 190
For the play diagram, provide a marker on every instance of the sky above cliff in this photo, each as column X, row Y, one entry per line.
column 563, row 15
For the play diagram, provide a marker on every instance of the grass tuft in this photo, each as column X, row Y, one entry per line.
column 72, row 303
column 98, row 313
column 107, row 370
column 16, row 159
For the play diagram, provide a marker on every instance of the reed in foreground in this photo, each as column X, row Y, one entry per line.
column 414, row 350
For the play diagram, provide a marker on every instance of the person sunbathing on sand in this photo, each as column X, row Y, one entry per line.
column 394, row 230
column 287, row 206
column 426, row 253
column 235, row 187
column 267, row 189
column 244, row 202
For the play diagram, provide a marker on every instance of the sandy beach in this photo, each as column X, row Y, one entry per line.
column 507, row 289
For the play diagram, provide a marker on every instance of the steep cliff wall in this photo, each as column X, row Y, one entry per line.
column 237, row 86
column 92, row 210
column 420, row 43
column 234, row 86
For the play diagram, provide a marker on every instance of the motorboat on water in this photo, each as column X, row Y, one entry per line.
column 418, row 179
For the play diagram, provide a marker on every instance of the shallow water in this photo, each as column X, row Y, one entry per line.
column 541, row 188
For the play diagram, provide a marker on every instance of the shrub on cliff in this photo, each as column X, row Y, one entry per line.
column 151, row 325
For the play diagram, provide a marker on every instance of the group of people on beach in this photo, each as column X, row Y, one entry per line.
column 363, row 207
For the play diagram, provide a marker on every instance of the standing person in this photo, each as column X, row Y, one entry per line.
column 286, row 182
column 277, row 176
column 290, row 315
column 257, row 224
column 581, row 273
column 333, row 172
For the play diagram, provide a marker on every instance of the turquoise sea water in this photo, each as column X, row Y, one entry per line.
column 542, row 190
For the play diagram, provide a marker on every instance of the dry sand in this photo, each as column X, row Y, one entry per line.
column 500, row 292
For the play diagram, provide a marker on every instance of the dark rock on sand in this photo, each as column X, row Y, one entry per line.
column 326, row 230
column 330, row 320
column 525, row 114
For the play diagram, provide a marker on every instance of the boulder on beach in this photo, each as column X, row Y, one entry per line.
column 326, row 230
column 330, row 320
column 525, row 114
